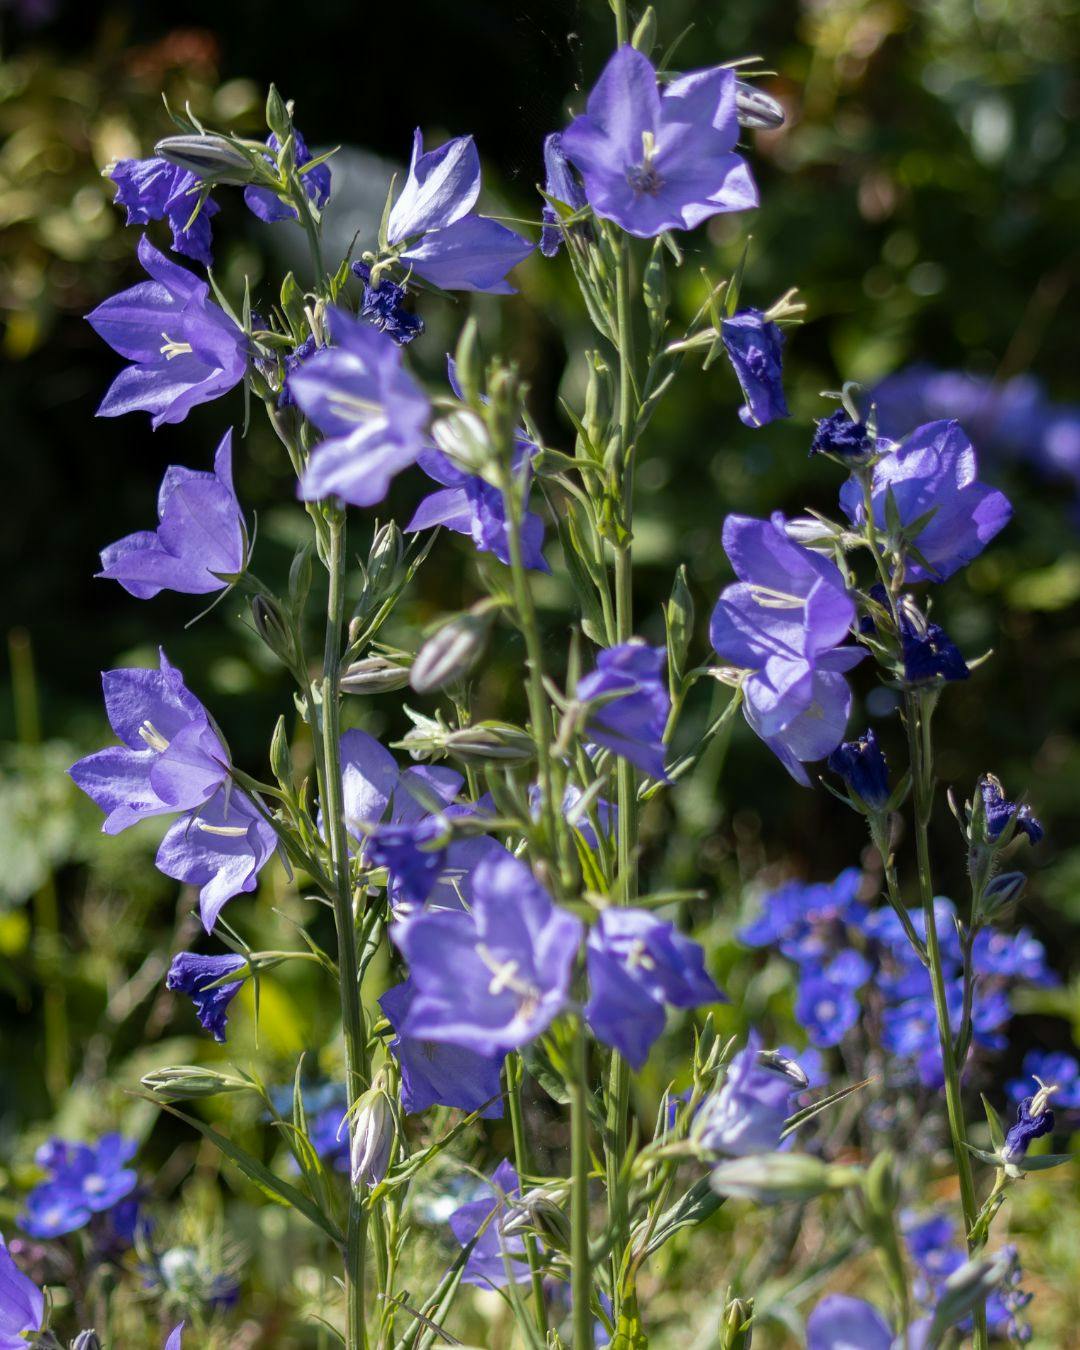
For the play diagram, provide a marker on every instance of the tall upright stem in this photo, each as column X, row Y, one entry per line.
column 514, row 1074
column 580, row 1267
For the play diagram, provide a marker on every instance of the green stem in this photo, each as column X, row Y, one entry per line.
column 514, row 1075
column 580, row 1265
column 622, row 26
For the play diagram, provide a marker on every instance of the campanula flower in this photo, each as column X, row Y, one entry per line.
column 862, row 766
column 1000, row 812
column 563, row 184
column 22, row 1304
column 293, row 361
column 840, row 1322
column 796, row 909
column 184, row 349
column 383, row 305
column 755, row 349
column 494, row 978
column 368, row 407
column 171, row 759
column 631, row 719
column 928, row 651
column 934, row 470
column 435, row 1073
column 192, row 974
column 84, row 1179
column 220, row 847
column 176, row 1337
column 747, row 1113
column 414, row 855
column 497, row 1255
column 1049, row 1066
column 838, row 435
column 154, row 189
column 1012, row 955
column 199, row 539
column 826, row 1004
column 656, row 159
column 1034, row 1118
column 637, row 965
column 268, row 206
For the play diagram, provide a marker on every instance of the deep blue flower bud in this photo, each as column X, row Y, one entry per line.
column 862, row 766
column 1000, row 811
column 193, row 975
column 929, row 653
column 1033, row 1119
column 755, row 347
column 383, row 306
column 838, row 435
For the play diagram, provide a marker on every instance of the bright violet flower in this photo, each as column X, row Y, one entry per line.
column 85, row 1179
column 435, row 1073
column 637, row 965
column 221, row 848
column 862, row 766
column 784, row 621
column 496, row 1251
column 200, row 538
column 383, row 305
column 154, row 189
column 192, row 974
column 747, row 1114
column 22, row 1304
column 185, row 349
column 934, row 469
column 414, row 855
column 563, row 184
column 659, row 159
column 176, row 1337
column 368, row 407
column 632, row 719
column 494, row 978
column 171, row 759
column 456, row 250
column 826, row 1004
column 268, row 206
column 755, row 349
column 840, row 1322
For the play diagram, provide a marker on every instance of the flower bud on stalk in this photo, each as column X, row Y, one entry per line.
column 271, row 626
column 463, row 438
column 757, row 110
column 187, row 1082
column 736, row 1332
column 373, row 675
column 771, row 1178
column 450, row 653
column 86, row 1340
column 213, row 158
column 372, row 1137
column 491, row 742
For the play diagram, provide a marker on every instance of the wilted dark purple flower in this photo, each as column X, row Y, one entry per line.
column 494, row 978
column 200, row 538
column 928, row 651
column 862, row 766
column 22, row 1304
column 1033, row 1119
column 561, row 183
column 630, row 716
column 435, row 1073
column 154, row 189
column 370, row 410
column 747, row 1114
column 838, row 435
column 638, row 964
column 171, row 758
column 185, row 349
column 268, row 206
column 192, row 974
column 85, row 1179
column 1000, row 811
column 498, row 1257
column 755, row 348
column 383, row 305
column 656, row 159
column 293, row 361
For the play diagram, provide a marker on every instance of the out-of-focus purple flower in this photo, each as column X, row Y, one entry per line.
column 1034, row 1118
column 414, row 855
column 383, row 305
column 1000, row 812
column 184, row 349
column 268, row 206
column 494, row 978
column 1052, row 1067
column 840, row 1322
column 755, row 346
column 154, row 189
column 368, row 407
column 1018, row 956
column 85, row 1179
column 561, row 183
column 221, row 847
column 194, row 975
column 435, row 1073
column 826, row 1004
column 498, row 1257
column 638, row 964
column 862, row 766
column 171, row 758
column 838, row 435
column 630, row 716
column 747, row 1114
column 175, row 1340
column 792, row 911
column 22, row 1304
column 934, row 470
column 200, row 537
column 928, row 651
column 656, row 159
column 783, row 622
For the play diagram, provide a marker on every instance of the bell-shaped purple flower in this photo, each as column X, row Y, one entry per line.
column 656, row 159
column 221, row 848
column 268, row 206
column 564, row 185
column 494, row 978
column 632, row 704
column 934, row 470
column 755, row 347
column 193, row 975
column 1000, row 811
column 184, row 349
column 413, row 854
column 383, row 305
column 747, row 1114
column 154, row 189
column 22, row 1304
column 840, row 1322
column 368, row 407
column 862, row 766
column 171, row 759
column 498, row 1257
column 436, row 1073
column 200, row 538
column 84, row 1179
column 638, row 964
column 1033, row 1119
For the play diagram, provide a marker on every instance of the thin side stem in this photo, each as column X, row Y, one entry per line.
column 522, row 1162
column 580, row 1265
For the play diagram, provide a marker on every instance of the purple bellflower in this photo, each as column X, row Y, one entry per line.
column 368, row 407
column 1000, row 811
column 175, row 1341
column 840, row 1322
column 200, row 537
column 435, row 1073
column 632, row 717
column 657, row 159
column 414, row 854
column 268, row 206
column 184, row 349
column 494, row 978
column 171, row 759
column 826, row 1004
column 862, row 766
column 22, row 1304
column 383, row 305
column 638, row 964
column 192, row 975
column 783, row 622
column 928, row 652
column 154, row 189
column 747, row 1114
column 451, row 246
column 84, row 1180
column 934, row 470
column 561, row 183
column 1033, row 1119
column 497, row 1254
column 755, row 346
column 838, row 435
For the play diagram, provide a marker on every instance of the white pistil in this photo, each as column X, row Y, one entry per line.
column 769, row 598
column 153, row 738
column 354, row 408
column 228, row 831
column 173, row 349
column 638, row 955
column 1041, row 1099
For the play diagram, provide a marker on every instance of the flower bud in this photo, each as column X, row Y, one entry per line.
column 213, row 158
column 679, row 621
column 771, row 1178
column 809, row 530
column 86, row 1340
column 372, row 1138
column 384, row 560
column 277, row 114
column 186, row 1082
column 736, row 1332
column 373, row 675
column 538, row 1212
column 450, row 653
column 463, row 438
column 968, row 1287
column 862, row 766
column 491, row 742
column 270, row 625
column 757, row 110
column 280, row 755
column 1001, row 894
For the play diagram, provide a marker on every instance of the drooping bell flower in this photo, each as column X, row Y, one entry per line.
column 194, row 975
column 268, row 206
column 563, row 184
column 498, row 1256
column 632, row 704
column 1000, row 811
column 928, row 652
column 154, row 189
column 22, row 1304
column 747, row 1114
column 862, row 766
column 1034, row 1118
column 755, row 346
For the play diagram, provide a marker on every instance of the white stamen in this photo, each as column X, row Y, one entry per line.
column 228, row 831
column 769, row 598
column 173, row 349
column 1041, row 1099
column 153, row 738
